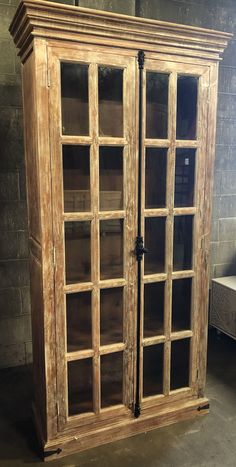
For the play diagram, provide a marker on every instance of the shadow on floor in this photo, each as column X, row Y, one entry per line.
column 208, row 441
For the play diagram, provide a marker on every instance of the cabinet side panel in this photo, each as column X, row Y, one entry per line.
column 206, row 226
column 38, row 343
column 31, row 149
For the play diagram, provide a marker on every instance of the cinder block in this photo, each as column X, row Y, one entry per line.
column 14, row 273
column 227, row 206
column 10, row 303
column 8, row 245
column 9, row 186
column 229, row 183
column 13, row 215
column 12, row 355
column 221, row 270
column 215, row 206
column 6, row 14
column 15, row 330
column 217, row 182
column 226, row 252
column 22, row 179
column 227, row 78
column 25, row 300
column 226, row 106
column 227, row 229
column 215, row 231
column 10, row 95
column 229, row 56
column 116, row 6
column 225, row 133
column 11, row 137
column 7, row 54
column 28, row 352
column 214, row 252
column 222, row 157
column 23, row 246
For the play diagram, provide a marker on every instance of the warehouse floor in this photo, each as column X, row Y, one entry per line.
column 205, row 441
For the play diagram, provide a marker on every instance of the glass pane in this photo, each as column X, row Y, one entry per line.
column 74, row 99
column 153, row 370
column 157, row 105
column 77, row 252
column 111, row 379
column 179, row 377
column 155, row 243
column 155, row 178
column 79, row 325
column 111, row 312
column 154, row 309
column 187, row 89
column 111, row 248
column 184, row 177
column 110, row 89
column 181, row 304
column 80, row 391
column 76, row 178
column 111, row 178
column 183, row 237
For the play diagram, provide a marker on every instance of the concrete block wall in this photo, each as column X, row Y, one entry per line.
column 15, row 325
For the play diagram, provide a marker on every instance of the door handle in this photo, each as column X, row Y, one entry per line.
column 140, row 249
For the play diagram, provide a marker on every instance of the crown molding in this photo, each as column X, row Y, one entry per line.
column 39, row 18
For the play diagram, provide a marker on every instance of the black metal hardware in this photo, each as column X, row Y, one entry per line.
column 51, row 453
column 140, row 250
column 203, row 407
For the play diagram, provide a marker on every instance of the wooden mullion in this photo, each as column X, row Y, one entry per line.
column 81, row 287
column 147, row 341
column 187, row 143
column 77, row 216
column 106, row 215
column 112, row 348
column 183, row 274
column 157, row 143
column 150, row 278
column 79, row 355
column 181, row 335
column 184, row 211
column 112, row 141
column 111, row 283
column 172, row 96
column 82, row 140
column 156, row 212
column 94, row 170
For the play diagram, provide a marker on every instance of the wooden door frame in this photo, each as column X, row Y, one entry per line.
column 200, row 144
column 128, row 214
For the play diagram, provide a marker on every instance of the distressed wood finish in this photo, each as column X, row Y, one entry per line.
column 46, row 34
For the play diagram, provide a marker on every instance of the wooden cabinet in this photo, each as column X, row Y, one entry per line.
column 119, row 119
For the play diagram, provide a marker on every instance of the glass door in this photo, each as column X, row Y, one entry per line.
column 173, row 151
column 93, row 163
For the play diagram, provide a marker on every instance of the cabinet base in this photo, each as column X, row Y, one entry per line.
column 64, row 444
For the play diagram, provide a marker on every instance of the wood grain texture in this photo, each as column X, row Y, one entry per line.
column 46, row 34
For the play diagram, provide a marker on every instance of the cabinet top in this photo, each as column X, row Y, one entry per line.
column 43, row 19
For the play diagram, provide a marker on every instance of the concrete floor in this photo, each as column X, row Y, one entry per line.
column 206, row 441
